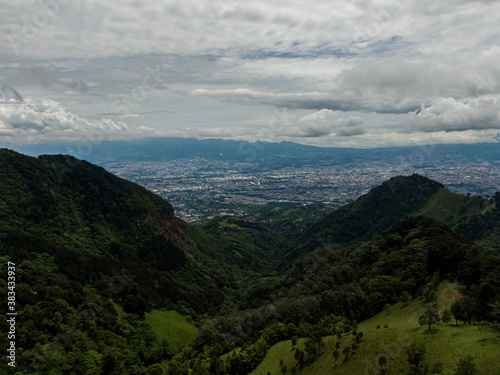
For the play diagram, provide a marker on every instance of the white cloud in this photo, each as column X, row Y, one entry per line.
column 47, row 120
column 347, row 71
column 247, row 96
column 449, row 114
column 324, row 123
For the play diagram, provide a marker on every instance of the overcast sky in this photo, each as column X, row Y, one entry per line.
column 331, row 73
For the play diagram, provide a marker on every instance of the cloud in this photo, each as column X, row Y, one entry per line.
column 389, row 85
column 46, row 120
column 10, row 95
column 303, row 100
column 347, row 71
column 451, row 115
column 324, row 123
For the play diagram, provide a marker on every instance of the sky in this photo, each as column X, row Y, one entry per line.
column 327, row 73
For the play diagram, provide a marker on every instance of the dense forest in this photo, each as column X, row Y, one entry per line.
column 95, row 254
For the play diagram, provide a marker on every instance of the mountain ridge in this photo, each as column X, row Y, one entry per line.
column 371, row 213
column 75, row 235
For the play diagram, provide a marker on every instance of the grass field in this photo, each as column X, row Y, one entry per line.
column 445, row 342
column 173, row 327
column 446, row 206
column 119, row 310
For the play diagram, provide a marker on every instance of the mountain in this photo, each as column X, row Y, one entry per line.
column 396, row 199
column 102, row 263
column 370, row 214
column 93, row 223
column 269, row 153
column 87, row 202
column 93, row 253
column 381, row 337
column 484, row 229
column 329, row 292
column 250, row 242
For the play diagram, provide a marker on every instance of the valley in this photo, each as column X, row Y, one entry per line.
column 111, row 281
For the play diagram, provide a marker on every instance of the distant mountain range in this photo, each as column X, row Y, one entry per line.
column 277, row 154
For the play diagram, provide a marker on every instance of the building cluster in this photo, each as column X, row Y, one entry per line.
column 195, row 185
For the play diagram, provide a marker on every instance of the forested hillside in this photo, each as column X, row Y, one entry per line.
column 92, row 223
column 86, row 242
column 104, row 268
column 370, row 214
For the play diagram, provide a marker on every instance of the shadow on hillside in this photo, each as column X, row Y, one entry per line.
column 432, row 331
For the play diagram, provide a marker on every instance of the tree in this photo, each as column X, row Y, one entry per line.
column 339, row 335
column 484, row 297
column 429, row 317
column 446, row 317
column 346, row 351
column 405, row 298
column 469, row 304
column 437, row 368
column 299, row 356
column 494, row 310
column 156, row 369
column 294, row 341
column 311, row 348
column 176, row 368
column 466, row 366
column 112, row 362
column 383, row 361
column 416, row 354
column 458, row 311
column 336, row 355
column 92, row 359
column 199, row 369
column 284, row 370
column 464, row 309
column 429, row 294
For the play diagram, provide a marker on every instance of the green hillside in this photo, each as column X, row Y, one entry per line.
column 401, row 197
column 109, row 282
column 94, row 253
column 369, row 215
column 250, row 244
column 398, row 328
column 289, row 220
column 447, row 207
column 93, row 224
column 484, row 229
column 328, row 290
column 173, row 328
column 478, row 219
